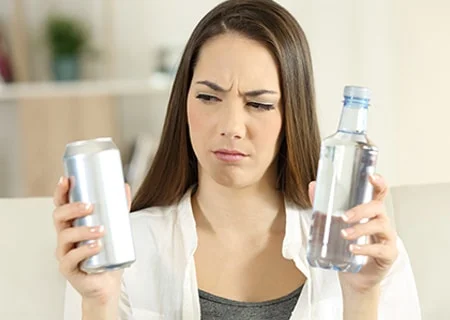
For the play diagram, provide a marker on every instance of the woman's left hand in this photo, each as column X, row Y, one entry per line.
column 382, row 249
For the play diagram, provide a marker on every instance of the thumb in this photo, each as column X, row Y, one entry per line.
column 311, row 191
column 128, row 192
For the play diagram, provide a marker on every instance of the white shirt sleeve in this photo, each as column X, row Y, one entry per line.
column 72, row 304
column 399, row 298
column 124, row 303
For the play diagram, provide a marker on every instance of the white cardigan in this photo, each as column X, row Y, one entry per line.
column 162, row 283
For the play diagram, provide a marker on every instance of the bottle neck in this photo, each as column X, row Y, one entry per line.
column 354, row 117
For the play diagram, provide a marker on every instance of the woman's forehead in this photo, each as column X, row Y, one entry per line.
column 231, row 58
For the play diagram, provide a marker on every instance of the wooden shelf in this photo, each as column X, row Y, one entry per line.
column 157, row 84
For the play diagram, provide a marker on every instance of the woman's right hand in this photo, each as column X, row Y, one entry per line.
column 97, row 288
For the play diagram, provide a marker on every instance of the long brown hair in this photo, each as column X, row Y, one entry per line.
column 174, row 168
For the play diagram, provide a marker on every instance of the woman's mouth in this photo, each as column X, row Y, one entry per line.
column 229, row 155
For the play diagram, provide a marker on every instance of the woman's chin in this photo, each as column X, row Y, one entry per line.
column 230, row 176
column 233, row 181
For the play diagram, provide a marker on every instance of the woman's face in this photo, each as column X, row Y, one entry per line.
column 234, row 111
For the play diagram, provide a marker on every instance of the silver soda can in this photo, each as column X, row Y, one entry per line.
column 94, row 168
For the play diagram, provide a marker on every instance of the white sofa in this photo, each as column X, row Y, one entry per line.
column 31, row 287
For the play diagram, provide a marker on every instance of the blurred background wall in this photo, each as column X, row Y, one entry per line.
column 399, row 49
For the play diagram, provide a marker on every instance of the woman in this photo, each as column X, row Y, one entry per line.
column 221, row 220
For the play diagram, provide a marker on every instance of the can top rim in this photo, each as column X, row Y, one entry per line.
column 81, row 142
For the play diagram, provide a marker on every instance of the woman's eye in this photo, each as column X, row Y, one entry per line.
column 261, row 106
column 207, row 97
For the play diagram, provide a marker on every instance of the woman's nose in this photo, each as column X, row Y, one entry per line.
column 232, row 124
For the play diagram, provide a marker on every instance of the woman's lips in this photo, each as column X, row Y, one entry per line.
column 229, row 155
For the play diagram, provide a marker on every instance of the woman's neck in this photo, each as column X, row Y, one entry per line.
column 253, row 210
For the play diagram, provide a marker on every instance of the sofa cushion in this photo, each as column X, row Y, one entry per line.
column 34, row 289
column 422, row 216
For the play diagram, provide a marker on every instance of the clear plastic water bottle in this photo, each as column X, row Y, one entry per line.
column 347, row 159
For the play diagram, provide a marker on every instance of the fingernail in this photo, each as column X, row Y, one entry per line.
column 97, row 229
column 348, row 216
column 347, row 232
column 375, row 177
column 94, row 244
column 61, row 179
column 354, row 247
column 87, row 206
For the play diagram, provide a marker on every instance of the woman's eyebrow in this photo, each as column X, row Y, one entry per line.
column 252, row 93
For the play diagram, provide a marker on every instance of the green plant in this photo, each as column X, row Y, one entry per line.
column 65, row 35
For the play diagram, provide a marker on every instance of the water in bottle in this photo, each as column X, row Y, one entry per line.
column 347, row 159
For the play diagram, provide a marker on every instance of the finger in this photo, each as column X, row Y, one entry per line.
column 380, row 188
column 61, row 193
column 69, row 262
column 311, row 191
column 69, row 237
column 63, row 216
column 382, row 252
column 128, row 192
column 376, row 227
column 364, row 211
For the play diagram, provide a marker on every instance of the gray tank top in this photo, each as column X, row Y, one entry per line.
column 215, row 308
